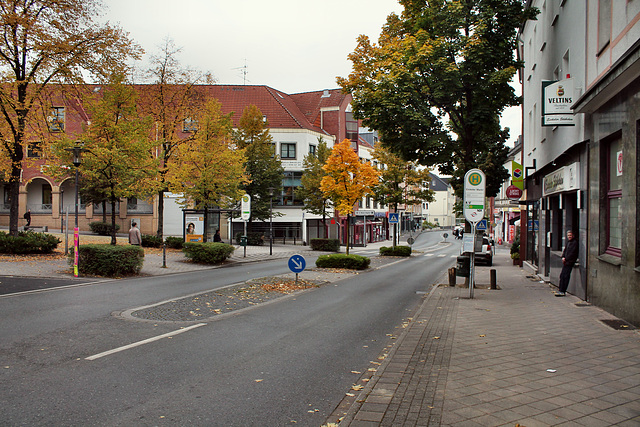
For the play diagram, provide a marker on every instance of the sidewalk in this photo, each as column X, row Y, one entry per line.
column 512, row 356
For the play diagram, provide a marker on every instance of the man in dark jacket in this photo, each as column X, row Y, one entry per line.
column 569, row 258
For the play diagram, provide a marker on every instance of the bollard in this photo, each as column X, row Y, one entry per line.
column 452, row 276
column 164, row 255
column 493, row 278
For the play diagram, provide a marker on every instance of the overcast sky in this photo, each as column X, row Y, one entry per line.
column 289, row 45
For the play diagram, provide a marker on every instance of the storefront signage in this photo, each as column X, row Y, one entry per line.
column 557, row 99
column 517, row 177
column 513, row 192
column 619, row 163
column 563, row 179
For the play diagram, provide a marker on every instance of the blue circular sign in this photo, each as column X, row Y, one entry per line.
column 297, row 263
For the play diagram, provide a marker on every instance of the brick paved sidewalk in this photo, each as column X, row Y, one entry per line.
column 517, row 355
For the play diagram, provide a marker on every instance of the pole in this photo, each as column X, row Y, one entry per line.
column 245, row 239
column 76, row 233
column 472, row 267
column 271, row 224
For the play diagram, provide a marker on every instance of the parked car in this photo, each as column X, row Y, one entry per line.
column 485, row 254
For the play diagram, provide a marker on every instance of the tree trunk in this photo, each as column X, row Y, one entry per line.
column 347, row 226
column 113, row 220
column 104, row 211
column 160, row 232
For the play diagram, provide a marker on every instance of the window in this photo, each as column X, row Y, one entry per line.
column 56, row 119
column 612, row 195
column 189, row 125
column 287, row 150
column 604, row 25
column 351, row 127
column 313, row 150
column 291, row 181
column 46, row 196
column 34, row 150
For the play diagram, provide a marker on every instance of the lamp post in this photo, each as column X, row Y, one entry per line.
column 77, row 150
column 271, row 220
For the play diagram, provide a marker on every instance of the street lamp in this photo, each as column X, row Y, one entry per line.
column 77, row 150
column 271, row 220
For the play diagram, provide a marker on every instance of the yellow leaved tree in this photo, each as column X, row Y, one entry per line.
column 210, row 169
column 348, row 180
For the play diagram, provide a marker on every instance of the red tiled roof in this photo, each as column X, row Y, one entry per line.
column 310, row 103
column 280, row 108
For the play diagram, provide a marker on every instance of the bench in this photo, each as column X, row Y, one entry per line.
column 41, row 229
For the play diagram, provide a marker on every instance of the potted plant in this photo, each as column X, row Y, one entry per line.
column 515, row 251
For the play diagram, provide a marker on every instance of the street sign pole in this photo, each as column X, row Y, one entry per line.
column 474, row 204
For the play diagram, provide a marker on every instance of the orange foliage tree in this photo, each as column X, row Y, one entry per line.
column 348, row 180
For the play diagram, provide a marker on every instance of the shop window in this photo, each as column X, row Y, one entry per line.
column 611, row 203
column 288, row 150
column 56, row 119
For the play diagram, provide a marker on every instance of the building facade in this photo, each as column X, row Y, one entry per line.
column 581, row 135
column 296, row 123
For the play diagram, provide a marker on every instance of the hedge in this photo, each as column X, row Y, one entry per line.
column 151, row 241
column 353, row 262
column 174, row 242
column 253, row 238
column 28, row 242
column 207, row 253
column 327, row 245
column 102, row 228
column 109, row 260
column 397, row 251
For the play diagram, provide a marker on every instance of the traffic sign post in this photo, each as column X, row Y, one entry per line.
column 394, row 218
column 473, row 208
column 297, row 264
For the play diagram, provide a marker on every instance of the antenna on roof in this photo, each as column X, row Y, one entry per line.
column 245, row 71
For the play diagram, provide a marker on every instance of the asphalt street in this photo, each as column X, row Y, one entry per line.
column 69, row 357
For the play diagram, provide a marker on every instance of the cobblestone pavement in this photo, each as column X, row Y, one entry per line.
column 513, row 356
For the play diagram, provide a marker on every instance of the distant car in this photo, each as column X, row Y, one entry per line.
column 485, row 254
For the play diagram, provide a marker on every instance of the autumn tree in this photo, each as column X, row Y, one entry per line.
column 174, row 101
column 315, row 201
column 262, row 165
column 45, row 42
column 118, row 160
column 347, row 180
column 209, row 170
column 401, row 182
column 437, row 81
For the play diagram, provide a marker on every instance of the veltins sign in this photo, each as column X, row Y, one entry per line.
column 557, row 99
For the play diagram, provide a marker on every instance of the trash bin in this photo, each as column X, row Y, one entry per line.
column 463, row 266
column 243, row 240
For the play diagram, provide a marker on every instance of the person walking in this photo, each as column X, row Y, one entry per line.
column 569, row 258
column 216, row 237
column 135, row 238
column 27, row 216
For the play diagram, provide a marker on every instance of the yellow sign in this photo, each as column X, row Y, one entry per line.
column 517, row 176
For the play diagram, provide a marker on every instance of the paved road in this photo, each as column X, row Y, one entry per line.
column 290, row 361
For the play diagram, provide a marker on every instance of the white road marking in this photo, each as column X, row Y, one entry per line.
column 139, row 343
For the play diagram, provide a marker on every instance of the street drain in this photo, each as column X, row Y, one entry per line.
column 583, row 304
column 618, row 325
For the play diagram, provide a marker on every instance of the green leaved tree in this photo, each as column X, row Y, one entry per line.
column 436, row 82
column 401, row 182
column 262, row 165
column 118, row 160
